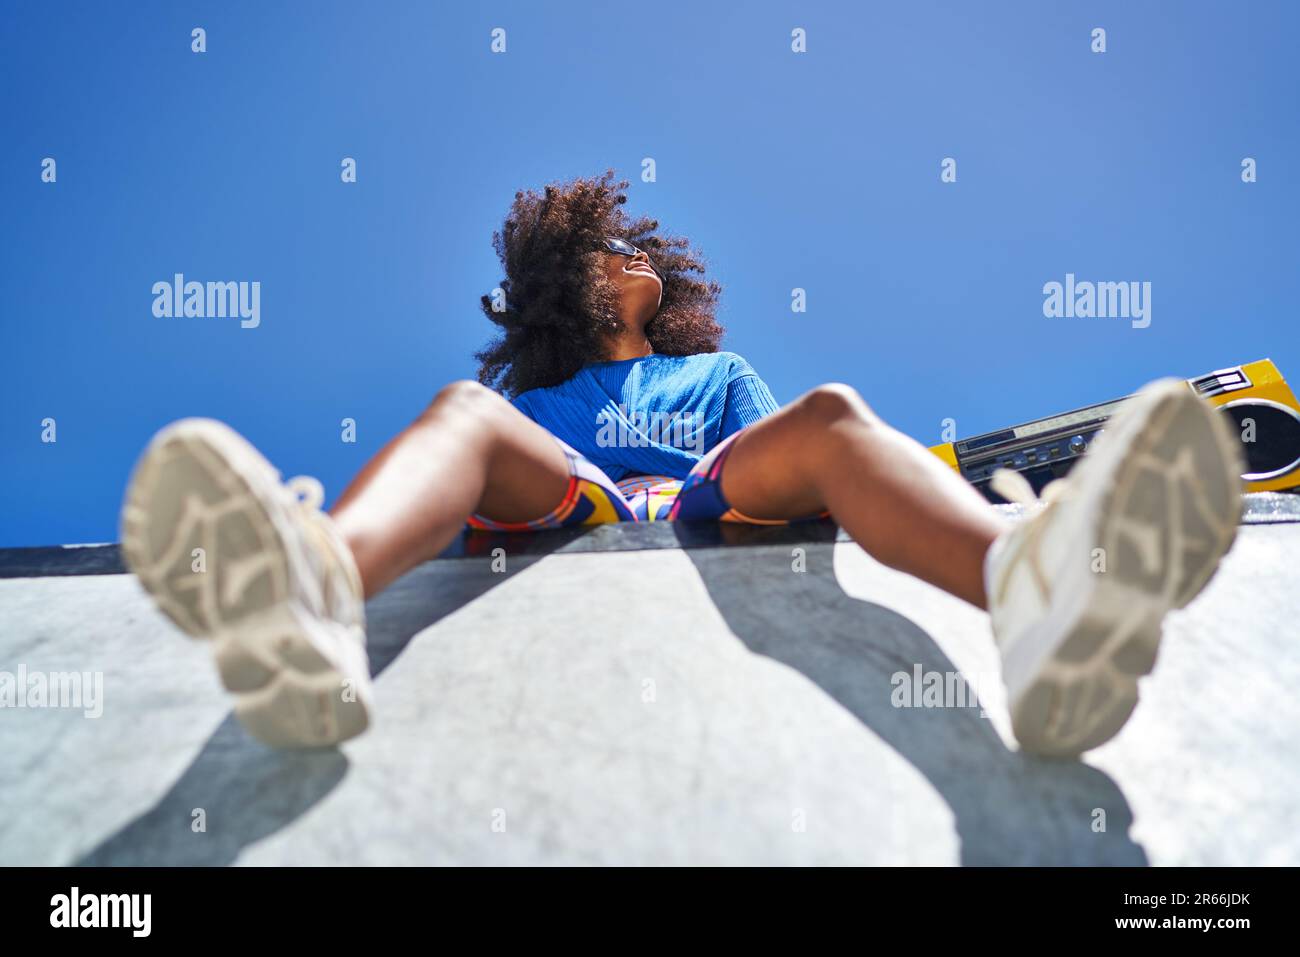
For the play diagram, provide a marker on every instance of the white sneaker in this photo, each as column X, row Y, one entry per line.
column 1078, row 591
column 275, row 587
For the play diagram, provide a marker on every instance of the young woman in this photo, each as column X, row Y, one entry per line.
column 605, row 399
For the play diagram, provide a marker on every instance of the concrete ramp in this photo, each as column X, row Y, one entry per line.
column 654, row 695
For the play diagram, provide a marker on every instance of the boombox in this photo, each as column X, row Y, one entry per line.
column 1264, row 412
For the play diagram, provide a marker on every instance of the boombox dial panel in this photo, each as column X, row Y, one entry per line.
column 1040, row 463
column 1041, row 451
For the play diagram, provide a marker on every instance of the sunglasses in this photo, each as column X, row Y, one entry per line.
column 621, row 247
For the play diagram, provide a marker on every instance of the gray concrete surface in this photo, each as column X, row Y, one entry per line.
column 666, row 706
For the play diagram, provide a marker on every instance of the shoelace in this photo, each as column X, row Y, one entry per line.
column 1014, row 487
column 307, row 490
column 309, row 495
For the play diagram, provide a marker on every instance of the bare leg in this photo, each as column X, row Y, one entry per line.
column 828, row 450
column 469, row 451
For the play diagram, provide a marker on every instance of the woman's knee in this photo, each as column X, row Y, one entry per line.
column 465, row 392
column 466, row 399
column 835, row 402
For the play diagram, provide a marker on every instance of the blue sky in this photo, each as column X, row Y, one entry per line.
column 816, row 170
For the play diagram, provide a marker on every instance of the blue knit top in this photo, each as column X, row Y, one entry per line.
column 656, row 415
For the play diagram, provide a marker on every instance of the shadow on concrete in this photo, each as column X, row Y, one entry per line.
column 248, row 791
column 1009, row 808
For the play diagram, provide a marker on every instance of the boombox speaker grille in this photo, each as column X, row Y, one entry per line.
column 1270, row 434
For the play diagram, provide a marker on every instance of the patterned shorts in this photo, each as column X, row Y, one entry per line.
column 593, row 498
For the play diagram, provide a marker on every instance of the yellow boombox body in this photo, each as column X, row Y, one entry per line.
column 1257, row 398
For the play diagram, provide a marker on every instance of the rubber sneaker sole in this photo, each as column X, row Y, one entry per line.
column 299, row 680
column 1167, row 515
